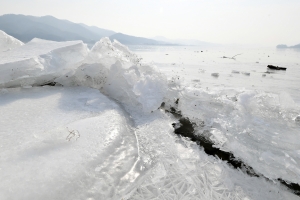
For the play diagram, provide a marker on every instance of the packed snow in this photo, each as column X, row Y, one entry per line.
column 98, row 131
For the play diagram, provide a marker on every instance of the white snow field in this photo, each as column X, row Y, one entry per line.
column 8, row 42
column 99, row 133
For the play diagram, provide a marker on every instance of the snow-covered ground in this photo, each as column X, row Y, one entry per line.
column 99, row 133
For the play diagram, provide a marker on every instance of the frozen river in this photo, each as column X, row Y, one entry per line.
column 79, row 123
column 247, row 70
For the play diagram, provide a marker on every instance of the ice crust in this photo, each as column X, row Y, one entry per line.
column 122, row 145
column 8, row 42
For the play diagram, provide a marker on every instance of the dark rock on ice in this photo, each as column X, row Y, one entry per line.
column 276, row 67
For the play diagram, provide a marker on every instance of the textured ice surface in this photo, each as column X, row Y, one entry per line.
column 8, row 42
column 112, row 68
column 39, row 162
column 39, row 61
column 180, row 170
column 75, row 143
column 257, row 127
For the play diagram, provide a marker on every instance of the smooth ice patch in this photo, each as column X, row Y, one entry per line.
column 42, row 158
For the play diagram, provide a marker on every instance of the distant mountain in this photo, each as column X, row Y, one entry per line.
column 25, row 28
column 282, row 46
column 132, row 40
column 183, row 42
column 99, row 31
column 295, row 46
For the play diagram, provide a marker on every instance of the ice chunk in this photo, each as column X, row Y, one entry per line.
column 39, row 61
column 141, row 87
column 8, row 42
column 112, row 68
column 107, row 53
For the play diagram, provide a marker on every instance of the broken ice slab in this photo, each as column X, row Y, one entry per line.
column 39, row 61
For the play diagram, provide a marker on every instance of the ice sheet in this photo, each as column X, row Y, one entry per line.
column 258, row 127
column 180, row 170
column 72, row 142
column 41, row 159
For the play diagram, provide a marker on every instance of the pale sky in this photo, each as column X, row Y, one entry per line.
column 264, row 22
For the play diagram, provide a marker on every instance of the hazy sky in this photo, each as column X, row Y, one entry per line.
column 267, row 22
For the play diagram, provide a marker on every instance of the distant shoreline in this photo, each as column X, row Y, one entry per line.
column 283, row 46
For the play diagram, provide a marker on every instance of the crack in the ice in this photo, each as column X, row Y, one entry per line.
column 185, row 128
